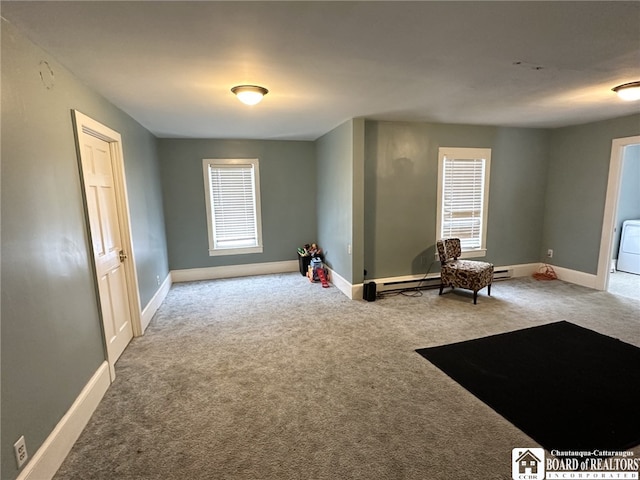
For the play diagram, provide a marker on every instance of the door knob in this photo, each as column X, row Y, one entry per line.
column 123, row 256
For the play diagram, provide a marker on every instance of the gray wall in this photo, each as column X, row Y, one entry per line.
column 358, row 200
column 288, row 198
column 340, row 155
column 51, row 331
column 629, row 199
column 144, row 191
column 401, row 179
column 576, row 190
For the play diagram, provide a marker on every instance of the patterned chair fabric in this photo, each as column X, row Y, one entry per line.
column 467, row 274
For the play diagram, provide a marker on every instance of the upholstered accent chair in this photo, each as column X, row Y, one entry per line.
column 467, row 274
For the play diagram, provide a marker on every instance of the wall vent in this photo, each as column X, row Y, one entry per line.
column 502, row 274
column 431, row 281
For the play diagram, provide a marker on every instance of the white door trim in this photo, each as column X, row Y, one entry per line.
column 611, row 207
column 86, row 125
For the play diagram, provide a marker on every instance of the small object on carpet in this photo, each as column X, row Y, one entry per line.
column 546, row 272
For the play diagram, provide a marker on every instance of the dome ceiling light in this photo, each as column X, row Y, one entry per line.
column 628, row 91
column 249, row 94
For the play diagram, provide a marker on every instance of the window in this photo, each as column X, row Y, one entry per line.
column 463, row 194
column 232, row 188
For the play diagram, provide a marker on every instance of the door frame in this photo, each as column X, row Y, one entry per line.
column 611, row 207
column 84, row 124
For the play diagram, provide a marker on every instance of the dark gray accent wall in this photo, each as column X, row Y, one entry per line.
column 576, row 190
column 629, row 199
column 340, row 155
column 401, row 179
column 51, row 332
column 288, row 198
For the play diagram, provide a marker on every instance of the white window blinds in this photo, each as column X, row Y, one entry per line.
column 233, row 207
column 463, row 196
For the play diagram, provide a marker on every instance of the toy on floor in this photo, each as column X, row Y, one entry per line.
column 317, row 272
column 314, row 250
column 310, row 250
column 304, row 251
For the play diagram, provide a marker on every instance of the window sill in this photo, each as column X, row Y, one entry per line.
column 234, row 251
column 480, row 252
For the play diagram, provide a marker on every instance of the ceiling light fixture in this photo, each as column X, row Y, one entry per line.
column 628, row 91
column 249, row 94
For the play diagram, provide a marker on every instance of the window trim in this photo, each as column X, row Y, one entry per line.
column 255, row 164
column 466, row 153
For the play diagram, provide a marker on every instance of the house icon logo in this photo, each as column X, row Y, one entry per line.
column 527, row 464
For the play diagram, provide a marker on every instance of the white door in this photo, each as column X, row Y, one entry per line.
column 108, row 249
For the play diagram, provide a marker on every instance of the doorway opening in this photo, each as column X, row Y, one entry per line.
column 622, row 204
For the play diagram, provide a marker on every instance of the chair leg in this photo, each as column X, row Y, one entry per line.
column 489, row 289
column 441, row 287
column 475, row 297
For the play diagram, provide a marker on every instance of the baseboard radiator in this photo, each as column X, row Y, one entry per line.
column 431, row 281
column 502, row 274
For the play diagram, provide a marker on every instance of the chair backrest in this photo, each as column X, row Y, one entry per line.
column 448, row 248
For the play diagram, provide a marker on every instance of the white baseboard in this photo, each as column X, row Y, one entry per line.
column 521, row 270
column 354, row 291
column 343, row 285
column 573, row 276
column 49, row 457
column 155, row 302
column 211, row 273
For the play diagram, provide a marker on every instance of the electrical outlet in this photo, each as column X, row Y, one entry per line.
column 550, row 253
column 349, row 249
column 158, row 279
column 20, row 449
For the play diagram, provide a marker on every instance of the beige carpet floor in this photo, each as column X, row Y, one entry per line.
column 625, row 284
column 272, row 377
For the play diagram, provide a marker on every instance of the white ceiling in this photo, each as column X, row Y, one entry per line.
column 170, row 65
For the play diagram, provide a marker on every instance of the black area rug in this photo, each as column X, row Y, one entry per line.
column 565, row 386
